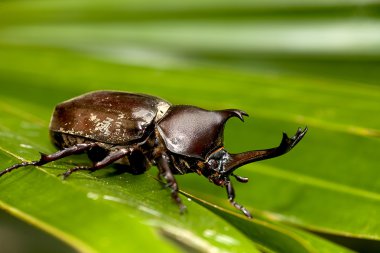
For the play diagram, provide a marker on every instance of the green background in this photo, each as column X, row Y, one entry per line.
column 288, row 64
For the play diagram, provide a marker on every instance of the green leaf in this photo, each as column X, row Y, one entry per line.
column 287, row 64
column 113, row 199
column 272, row 236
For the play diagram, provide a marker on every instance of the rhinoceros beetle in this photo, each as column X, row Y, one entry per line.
column 138, row 131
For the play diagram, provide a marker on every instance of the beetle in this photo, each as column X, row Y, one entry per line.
column 138, row 131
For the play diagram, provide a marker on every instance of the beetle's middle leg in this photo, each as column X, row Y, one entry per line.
column 109, row 159
column 164, row 167
column 231, row 198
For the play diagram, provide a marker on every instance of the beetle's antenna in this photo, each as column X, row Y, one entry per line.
column 240, row 179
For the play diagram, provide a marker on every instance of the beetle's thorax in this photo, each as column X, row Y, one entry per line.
column 213, row 167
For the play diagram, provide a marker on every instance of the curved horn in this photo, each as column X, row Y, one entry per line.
column 237, row 160
column 234, row 113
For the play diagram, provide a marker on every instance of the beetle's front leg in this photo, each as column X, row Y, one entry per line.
column 163, row 165
column 231, row 198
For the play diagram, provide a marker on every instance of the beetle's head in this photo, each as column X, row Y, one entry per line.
column 220, row 164
column 217, row 170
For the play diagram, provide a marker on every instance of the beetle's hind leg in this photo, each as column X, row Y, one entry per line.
column 76, row 149
column 109, row 159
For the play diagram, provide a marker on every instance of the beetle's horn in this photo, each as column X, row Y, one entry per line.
column 237, row 160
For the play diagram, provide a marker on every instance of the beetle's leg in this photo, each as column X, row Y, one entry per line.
column 109, row 159
column 76, row 149
column 231, row 198
column 163, row 165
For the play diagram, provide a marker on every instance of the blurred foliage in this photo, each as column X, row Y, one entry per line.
column 287, row 63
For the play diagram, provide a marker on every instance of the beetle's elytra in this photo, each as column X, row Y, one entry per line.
column 139, row 131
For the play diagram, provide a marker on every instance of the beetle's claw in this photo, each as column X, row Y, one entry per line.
column 68, row 172
column 246, row 212
column 65, row 174
column 182, row 209
column 241, row 208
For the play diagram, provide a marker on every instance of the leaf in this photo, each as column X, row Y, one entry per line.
column 273, row 236
column 287, row 64
column 97, row 191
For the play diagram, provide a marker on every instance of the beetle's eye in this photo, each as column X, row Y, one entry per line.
column 213, row 164
column 216, row 165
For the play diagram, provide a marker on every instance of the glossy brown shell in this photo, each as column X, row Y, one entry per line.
column 108, row 116
column 194, row 132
